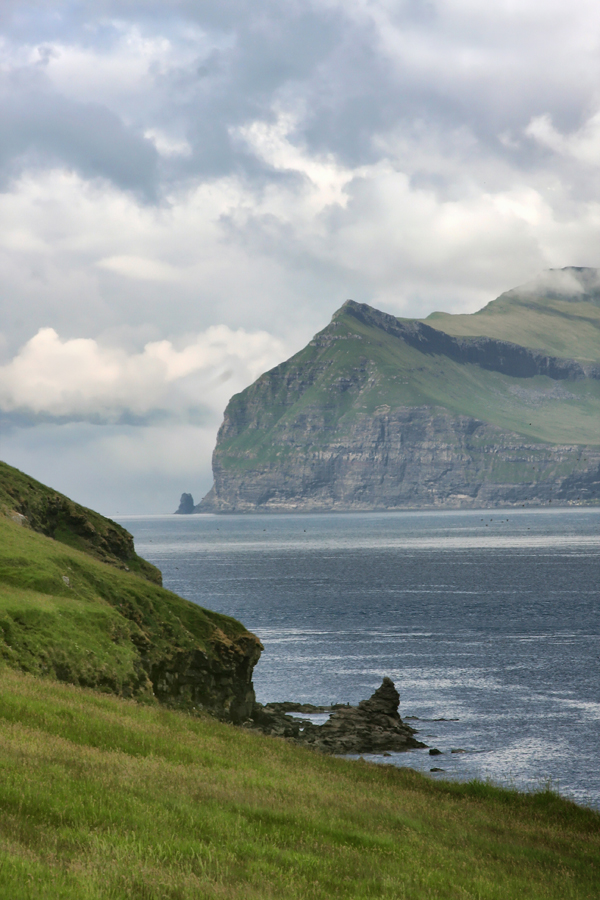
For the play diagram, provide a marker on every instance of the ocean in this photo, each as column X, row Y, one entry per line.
column 487, row 621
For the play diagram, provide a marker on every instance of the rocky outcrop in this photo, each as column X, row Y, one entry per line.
column 99, row 625
column 186, row 505
column 374, row 726
column 219, row 683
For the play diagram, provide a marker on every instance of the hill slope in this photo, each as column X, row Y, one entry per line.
column 103, row 799
column 558, row 312
column 379, row 412
column 66, row 614
column 51, row 513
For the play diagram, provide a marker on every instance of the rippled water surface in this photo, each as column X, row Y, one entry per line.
column 488, row 622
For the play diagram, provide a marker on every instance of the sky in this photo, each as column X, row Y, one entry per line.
column 189, row 190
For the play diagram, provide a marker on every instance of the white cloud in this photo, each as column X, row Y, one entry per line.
column 166, row 144
column 325, row 177
column 582, row 145
column 140, row 268
column 79, row 377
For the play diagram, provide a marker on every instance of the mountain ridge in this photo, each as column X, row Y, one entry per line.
column 542, row 312
column 506, row 357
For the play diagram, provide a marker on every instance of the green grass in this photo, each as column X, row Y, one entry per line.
column 104, row 798
column 106, row 628
column 51, row 513
column 560, row 327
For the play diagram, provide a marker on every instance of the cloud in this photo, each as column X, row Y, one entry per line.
column 582, row 145
column 171, row 168
column 140, row 268
column 40, row 129
column 80, row 379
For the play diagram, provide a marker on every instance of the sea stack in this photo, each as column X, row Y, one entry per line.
column 186, row 505
column 374, row 726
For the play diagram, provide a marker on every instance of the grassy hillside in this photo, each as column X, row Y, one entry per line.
column 104, row 798
column 56, row 516
column 67, row 615
column 559, row 314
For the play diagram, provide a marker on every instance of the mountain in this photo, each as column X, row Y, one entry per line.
column 501, row 407
column 78, row 604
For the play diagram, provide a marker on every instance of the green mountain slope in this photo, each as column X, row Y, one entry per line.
column 355, row 366
column 558, row 312
column 66, row 614
column 380, row 412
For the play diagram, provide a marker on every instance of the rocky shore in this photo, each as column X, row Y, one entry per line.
column 374, row 726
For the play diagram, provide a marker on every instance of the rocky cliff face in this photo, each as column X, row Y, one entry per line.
column 219, row 681
column 411, row 457
column 380, row 413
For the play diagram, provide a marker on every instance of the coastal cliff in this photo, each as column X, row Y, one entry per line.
column 383, row 413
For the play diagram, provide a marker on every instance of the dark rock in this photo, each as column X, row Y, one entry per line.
column 220, row 683
column 436, row 769
column 289, row 706
column 435, row 752
column 186, row 505
column 458, row 750
column 374, row 726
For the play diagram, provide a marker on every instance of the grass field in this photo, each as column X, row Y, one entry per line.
column 560, row 327
column 103, row 798
column 69, row 523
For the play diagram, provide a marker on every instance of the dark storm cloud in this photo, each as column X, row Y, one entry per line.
column 40, row 129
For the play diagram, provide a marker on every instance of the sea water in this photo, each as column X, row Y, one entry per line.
column 487, row 621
